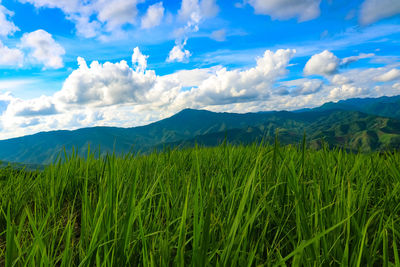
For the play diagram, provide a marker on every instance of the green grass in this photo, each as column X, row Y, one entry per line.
column 224, row 206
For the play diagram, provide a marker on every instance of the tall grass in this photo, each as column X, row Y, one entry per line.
column 224, row 206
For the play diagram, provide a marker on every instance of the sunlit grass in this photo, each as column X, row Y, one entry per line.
column 223, row 206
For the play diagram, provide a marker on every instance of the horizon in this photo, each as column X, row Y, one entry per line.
column 304, row 110
column 66, row 65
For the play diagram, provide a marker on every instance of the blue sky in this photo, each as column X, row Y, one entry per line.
column 154, row 58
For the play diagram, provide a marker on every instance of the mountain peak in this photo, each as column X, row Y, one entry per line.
column 191, row 112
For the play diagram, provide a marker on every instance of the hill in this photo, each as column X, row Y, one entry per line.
column 384, row 106
column 339, row 124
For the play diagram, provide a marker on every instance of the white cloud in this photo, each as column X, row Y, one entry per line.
column 67, row 6
column 193, row 12
column 10, row 57
column 116, row 94
column 303, row 10
column 209, row 8
column 94, row 18
column 391, row 75
column 86, row 27
column 338, row 79
column 303, row 86
column 179, row 53
column 237, row 86
column 116, row 13
column 44, row 49
column 7, row 27
column 5, row 100
column 139, row 60
column 348, row 60
column 106, row 84
column 347, row 91
column 41, row 106
column 325, row 63
column 374, row 10
column 219, row 35
column 153, row 16
column 202, row 9
column 194, row 77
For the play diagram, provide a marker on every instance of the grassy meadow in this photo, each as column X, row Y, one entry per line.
column 223, row 206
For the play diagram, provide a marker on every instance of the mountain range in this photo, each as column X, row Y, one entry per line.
column 368, row 124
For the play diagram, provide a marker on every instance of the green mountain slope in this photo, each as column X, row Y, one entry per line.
column 383, row 106
column 337, row 126
column 348, row 129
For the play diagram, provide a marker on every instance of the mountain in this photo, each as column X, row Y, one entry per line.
column 384, row 106
column 356, row 124
column 348, row 129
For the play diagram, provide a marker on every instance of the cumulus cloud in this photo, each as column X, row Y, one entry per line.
column 203, row 8
column 178, row 53
column 237, row 86
column 86, row 27
column 360, row 83
column 116, row 13
column 347, row 91
column 374, row 10
column 325, row 63
column 10, row 57
column 194, row 77
column 302, row 86
column 106, row 84
column 41, row 106
column 303, row 10
column 193, row 12
column 391, row 75
column 153, row 16
column 338, row 79
column 139, row 60
column 7, row 27
column 94, row 18
column 44, row 49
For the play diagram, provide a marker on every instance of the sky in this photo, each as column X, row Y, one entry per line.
column 68, row 64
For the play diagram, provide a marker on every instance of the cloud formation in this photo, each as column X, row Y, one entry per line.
column 94, row 18
column 106, row 84
column 219, row 35
column 192, row 12
column 324, row 63
column 347, row 91
column 7, row 26
column 153, row 16
column 41, row 106
column 391, row 75
column 348, row 60
column 10, row 57
column 374, row 10
column 236, row 86
column 43, row 49
column 139, row 60
column 303, row 10
column 202, row 9
column 117, row 94
column 302, row 86
column 178, row 53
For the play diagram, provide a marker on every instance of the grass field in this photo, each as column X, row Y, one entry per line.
column 224, row 206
